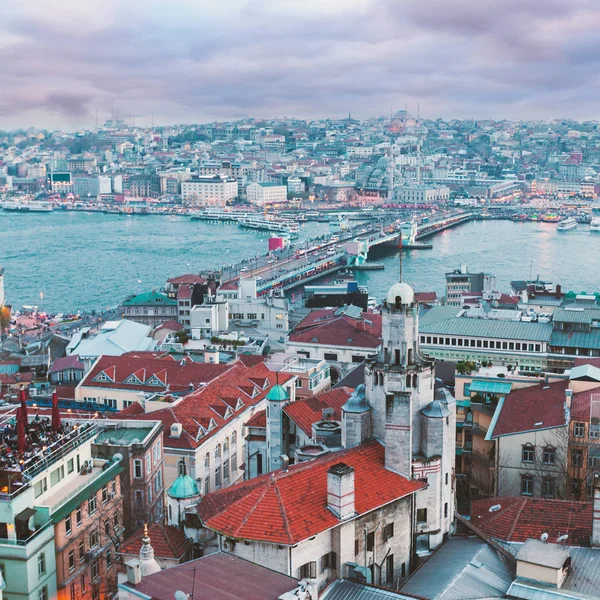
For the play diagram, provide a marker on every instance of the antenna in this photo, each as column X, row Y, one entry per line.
column 544, row 537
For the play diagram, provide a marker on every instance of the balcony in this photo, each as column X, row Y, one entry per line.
column 479, row 429
column 23, row 549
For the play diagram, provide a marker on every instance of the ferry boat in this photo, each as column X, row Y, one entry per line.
column 258, row 222
column 566, row 224
column 595, row 225
column 32, row 206
column 409, row 232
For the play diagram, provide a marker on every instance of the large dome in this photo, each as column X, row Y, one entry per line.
column 402, row 290
column 183, row 487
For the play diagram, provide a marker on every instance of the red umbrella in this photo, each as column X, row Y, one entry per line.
column 21, row 437
column 23, row 401
column 55, row 413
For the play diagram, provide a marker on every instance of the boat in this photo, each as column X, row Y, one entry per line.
column 342, row 292
column 32, row 206
column 409, row 232
column 566, row 224
column 262, row 223
column 595, row 225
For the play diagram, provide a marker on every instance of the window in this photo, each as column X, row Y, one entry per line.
column 71, row 561
column 579, row 430
column 226, row 470
column 218, row 477
column 234, row 439
column 70, row 465
column 526, row 485
column 548, row 487
column 108, row 559
column 82, row 583
column 577, row 458
column 528, row 454
column 226, row 446
column 370, row 541
column 95, row 570
column 330, row 356
column 357, row 358
column 104, row 495
column 308, row 570
column 218, row 451
column 389, row 568
column 40, row 487
column 207, row 485
column 446, row 478
column 107, row 527
column 594, row 431
column 355, row 547
column 78, row 516
column 137, row 468
column 68, row 525
column 549, row 455
column 298, row 383
column 445, row 510
column 181, row 467
column 72, row 592
column 328, row 561
column 42, row 563
column 43, row 593
column 421, row 515
column 116, row 521
column 575, row 488
column 94, row 538
column 139, row 497
column 233, row 465
column 92, row 505
column 388, row 532
column 81, row 549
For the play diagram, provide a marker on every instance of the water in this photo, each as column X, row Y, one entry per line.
column 85, row 261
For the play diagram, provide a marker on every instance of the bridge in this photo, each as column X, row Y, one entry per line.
column 292, row 267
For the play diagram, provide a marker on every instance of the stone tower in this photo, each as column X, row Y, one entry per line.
column 400, row 391
column 277, row 398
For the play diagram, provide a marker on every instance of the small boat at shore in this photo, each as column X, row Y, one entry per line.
column 32, row 206
column 566, row 224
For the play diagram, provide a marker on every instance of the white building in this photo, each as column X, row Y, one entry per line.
column 266, row 193
column 2, row 296
column 422, row 194
column 208, row 191
column 295, row 185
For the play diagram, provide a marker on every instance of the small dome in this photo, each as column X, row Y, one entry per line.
column 436, row 409
column 357, row 403
column 239, row 157
column 205, row 156
column 402, row 290
column 183, row 487
column 384, row 162
column 277, row 394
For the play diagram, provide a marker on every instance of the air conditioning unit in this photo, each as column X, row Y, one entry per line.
column 176, row 429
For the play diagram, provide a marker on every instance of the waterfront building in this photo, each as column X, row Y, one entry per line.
column 117, row 382
column 266, row 193
column 61, row 511
column 67, row 370
column 60, row 183
column 422, row 194
column 150, row 308
column 208, row 191
column 295, row 185
column 142, row 186
column 460, row 281
column 114, row 338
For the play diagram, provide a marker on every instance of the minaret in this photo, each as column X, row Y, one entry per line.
column 419, row 144
column 390, row 193
column 148, row 564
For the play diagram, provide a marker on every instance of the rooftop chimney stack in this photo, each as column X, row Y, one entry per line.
column 340, row 491
column 596, row 512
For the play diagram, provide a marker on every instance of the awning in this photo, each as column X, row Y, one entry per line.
column 26, row 514
column 491, row 387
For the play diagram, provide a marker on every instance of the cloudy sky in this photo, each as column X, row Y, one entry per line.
column 200, row 60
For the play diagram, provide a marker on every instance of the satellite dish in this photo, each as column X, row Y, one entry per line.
column 563, row 538
column 543, row 537
column 179, row 595
column 495, row 508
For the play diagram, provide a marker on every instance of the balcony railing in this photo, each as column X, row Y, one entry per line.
column 479, row 429
column 15, row 542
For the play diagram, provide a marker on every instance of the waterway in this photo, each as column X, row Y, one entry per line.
column 64, row 261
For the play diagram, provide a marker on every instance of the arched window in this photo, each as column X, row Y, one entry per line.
column 414, row 380
column 170, row 513
column 408, row 380
column 398, row 301
column 218, row 451
column 226, row 446
column 380, row 378
column 181, row 467
column 233, row 439
column 207, row 460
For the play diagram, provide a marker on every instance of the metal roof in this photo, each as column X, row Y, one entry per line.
column 342, row 589
column 576, row 314
column 462, row 569
column 491, row 387
column 576, row 339
column 487, row 328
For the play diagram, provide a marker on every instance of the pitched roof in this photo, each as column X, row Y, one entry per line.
column 189, row 278
column 307, row 411
column 67, row 362
column 531, row 408
column 218, row 576
column 202, row 413
column 168, row 541
column 340, row 331
column 425, row 296
column 288, row 507
column 519, row 519
column 152, row 298
column 125, row 371
column 259, row 419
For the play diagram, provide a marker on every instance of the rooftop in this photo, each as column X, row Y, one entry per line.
column 152, row 298
column 168, row 541
column 286, row 507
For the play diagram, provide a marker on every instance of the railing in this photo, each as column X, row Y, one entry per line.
column 13, row 542
column 479, row 429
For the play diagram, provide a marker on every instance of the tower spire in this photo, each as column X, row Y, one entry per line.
column 400, row 257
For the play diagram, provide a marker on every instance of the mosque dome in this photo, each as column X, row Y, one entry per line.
column 148, row 564
column 402, row 290
column 205, row 156
column 357, row 403
column 277, row 394
column 183, row 487
column 384, row 162
column 436, row 409
column 239, row 157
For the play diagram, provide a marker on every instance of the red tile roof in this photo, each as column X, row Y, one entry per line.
column 582, row 408
column 307, row 411
column 519, row 519
column 189, row 278
column 425, row 296
column 203, row 412
column 532, row 408
column 341, row 331
column 170, row 325
column 259, row 419
column 288, row 507
column 170, row 373
column 67, row 362
column 184, row 292
column 168, row 541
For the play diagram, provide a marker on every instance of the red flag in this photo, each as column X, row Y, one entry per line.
column 21, row 437
column 23, row 401
column 55, row 413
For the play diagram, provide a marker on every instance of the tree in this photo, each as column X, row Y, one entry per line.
column 4, row 320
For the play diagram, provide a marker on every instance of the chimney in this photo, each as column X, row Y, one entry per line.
column 134, row 575
column 558, row 291
column 596, row 512
column 285, row 462
column 340, row 491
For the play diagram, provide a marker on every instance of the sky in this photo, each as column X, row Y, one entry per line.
column 193, row 61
